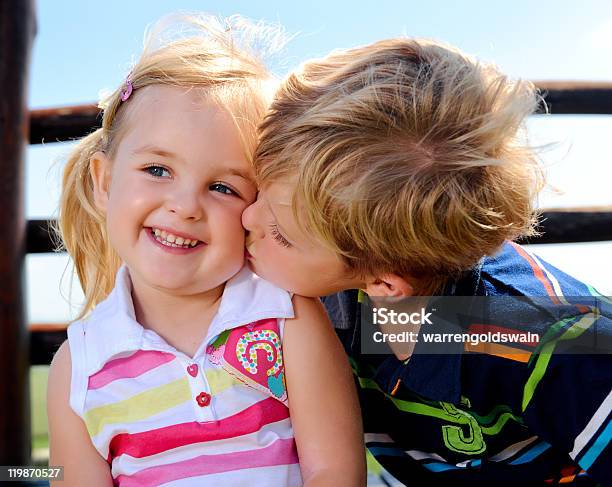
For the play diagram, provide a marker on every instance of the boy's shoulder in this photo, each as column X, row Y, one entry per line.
column 515, row 271
column 512, row 271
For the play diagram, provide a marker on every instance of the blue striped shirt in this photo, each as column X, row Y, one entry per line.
column 486, row 418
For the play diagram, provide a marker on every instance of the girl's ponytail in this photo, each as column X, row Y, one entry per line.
column 81, row 225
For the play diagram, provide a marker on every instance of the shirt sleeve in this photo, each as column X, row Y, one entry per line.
column 342, row 308
column 567, row 401
column 78, row 380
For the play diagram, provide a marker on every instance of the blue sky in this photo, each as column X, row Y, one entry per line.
column 83, row 47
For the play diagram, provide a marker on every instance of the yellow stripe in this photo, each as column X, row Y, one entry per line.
column 220, row 380
column 138, row 407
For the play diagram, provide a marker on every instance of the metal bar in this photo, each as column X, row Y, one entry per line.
column 17, row 31
column 573, row 227
column 576, row 97
column 559, row 226
column 561, row 97
column 45, row 340
column 40, row 237
column 64, row 123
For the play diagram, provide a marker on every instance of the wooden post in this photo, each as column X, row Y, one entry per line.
column 17, row 31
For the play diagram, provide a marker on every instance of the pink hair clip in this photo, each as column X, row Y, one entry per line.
column 127, row 91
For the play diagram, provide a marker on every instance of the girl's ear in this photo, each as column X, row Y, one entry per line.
column 99, row 170
column 389, row 285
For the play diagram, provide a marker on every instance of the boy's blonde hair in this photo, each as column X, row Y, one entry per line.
column 409, row 157
column 197, row 52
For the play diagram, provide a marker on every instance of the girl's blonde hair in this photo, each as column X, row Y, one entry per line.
column 199, row 52
column 409, row 157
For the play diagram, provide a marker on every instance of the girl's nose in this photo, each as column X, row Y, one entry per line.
column 251, row 221
column 186, row 204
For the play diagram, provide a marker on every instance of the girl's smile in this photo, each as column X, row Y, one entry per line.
column 172, row 243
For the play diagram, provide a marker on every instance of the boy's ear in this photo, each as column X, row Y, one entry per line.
column 389, row 285
column 100, row 172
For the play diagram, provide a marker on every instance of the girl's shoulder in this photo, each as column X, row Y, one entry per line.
column 59, row 370
column 70, row 444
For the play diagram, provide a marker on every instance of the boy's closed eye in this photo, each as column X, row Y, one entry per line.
column 276, row 235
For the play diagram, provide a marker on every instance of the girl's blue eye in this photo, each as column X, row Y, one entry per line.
column 157, row 171
column 222, row 188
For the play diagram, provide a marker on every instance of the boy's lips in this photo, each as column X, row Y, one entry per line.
column 247, row 250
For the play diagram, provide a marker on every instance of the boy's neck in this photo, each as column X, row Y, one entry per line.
column 181, row 320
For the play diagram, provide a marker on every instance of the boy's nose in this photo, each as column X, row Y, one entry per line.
column 250, row 219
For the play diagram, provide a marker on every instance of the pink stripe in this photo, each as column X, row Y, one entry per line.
column 128, row 367
column 158, row 440
column 281, row 452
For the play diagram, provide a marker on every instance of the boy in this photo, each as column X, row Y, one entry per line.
column 401, row 168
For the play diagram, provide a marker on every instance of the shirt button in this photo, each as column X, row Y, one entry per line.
column 192, row 370
column 203, row 399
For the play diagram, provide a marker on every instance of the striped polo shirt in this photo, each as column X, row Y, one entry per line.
column 492, row 416
column 160, row 417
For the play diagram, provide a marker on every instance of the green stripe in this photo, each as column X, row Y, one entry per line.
column 500, row 423
column 545, row 354
column 407, row 406
column 494, row 414
column 537, row 373
column 550, row 337
column 360, row 370
column 425, row 410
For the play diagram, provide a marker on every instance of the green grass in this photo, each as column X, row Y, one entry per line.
column 38, row 408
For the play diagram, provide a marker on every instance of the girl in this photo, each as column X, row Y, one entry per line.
column 185, row 368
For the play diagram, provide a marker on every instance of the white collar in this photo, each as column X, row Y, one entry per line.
column 112, row 328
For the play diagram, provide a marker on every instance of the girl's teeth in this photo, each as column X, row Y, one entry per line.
column 172, row 240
